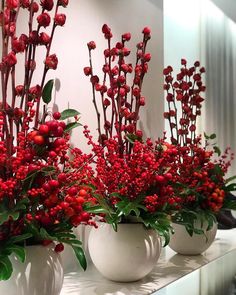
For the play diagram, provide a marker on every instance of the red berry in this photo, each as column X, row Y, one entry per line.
column 59, row 132
column 59, row 248
column 85, row 216
column 32, row 134
column 168, row 176
column 58, row 142
column 82, row 192
column 72, row 191
column 62, row 124
column 64, row 205
column 62, row 177
column 57, row 115
column 39, row 140
column 160, row 179
column 69, row 212
column 80, row 200
column 52, row 154
column 44, row 129
column 46, row 187
column 53, row 183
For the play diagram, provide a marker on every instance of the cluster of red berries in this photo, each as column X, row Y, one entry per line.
column 201, row 179
column 144, row 175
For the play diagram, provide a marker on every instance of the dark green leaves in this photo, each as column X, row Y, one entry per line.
column 79, row 253
column 66, row 237
column 195, row 221
column 132, row 138
column 18, row 251
column 4, row 216
column 217, row 150
column 71, row 126
column 5, row 268
column 126, row 208
column 69, row 113
column 8, row 249
column 212, row 136
column 47, row 91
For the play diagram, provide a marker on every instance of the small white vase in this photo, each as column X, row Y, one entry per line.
column 182, row 243
column 126, row 255
column 41, row 274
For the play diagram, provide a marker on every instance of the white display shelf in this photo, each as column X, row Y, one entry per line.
column 170, row 268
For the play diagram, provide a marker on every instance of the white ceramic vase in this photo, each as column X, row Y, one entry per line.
column 126, row 255
column 182, row 243
column 41, row 274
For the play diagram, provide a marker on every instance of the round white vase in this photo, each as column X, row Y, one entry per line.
column 182, row 243
column 126, row 255
column 40, row 274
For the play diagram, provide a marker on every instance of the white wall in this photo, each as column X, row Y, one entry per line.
column 182, row 33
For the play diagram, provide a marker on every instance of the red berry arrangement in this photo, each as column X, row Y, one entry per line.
column 132, row 176
column 43, row 181
column 200, row 182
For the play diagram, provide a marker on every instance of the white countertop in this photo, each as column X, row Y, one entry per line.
column 170, row 267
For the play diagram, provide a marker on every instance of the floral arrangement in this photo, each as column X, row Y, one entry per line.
column 41, row 191
column 200, row 181
column 131, row 181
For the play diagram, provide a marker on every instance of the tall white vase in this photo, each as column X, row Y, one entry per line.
column 182, row 243
column 41, row 274
column 126, row 255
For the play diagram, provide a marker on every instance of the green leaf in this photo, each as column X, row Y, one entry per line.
column 3, row 217
column 5, row 268
column 6, row 215
column 212, row 136
column 132, row 138
column 230, row 179
column 17, row 239
column 71, row 126
column 46, row 236
column 18, row 251
column 95, row 209
column 198, row 231
column 206, row 136
column 229, row 204
column 68, row 114
column 21, row 205
column 71, row 241
column 217, row 150
column 65, row 235
column 230, row 187
column 79, row 253
column 47, row 91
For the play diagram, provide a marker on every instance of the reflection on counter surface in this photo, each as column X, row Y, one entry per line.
column 212, row 273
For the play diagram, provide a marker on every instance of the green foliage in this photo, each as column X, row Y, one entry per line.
column 133, row 137
column 47, row 92
column 69, row 113
column 125, row 211
column 195, row 220
column 211, row 136
column 71, row 126
column 63, row 235
column 6, row 213
column 8, row 248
